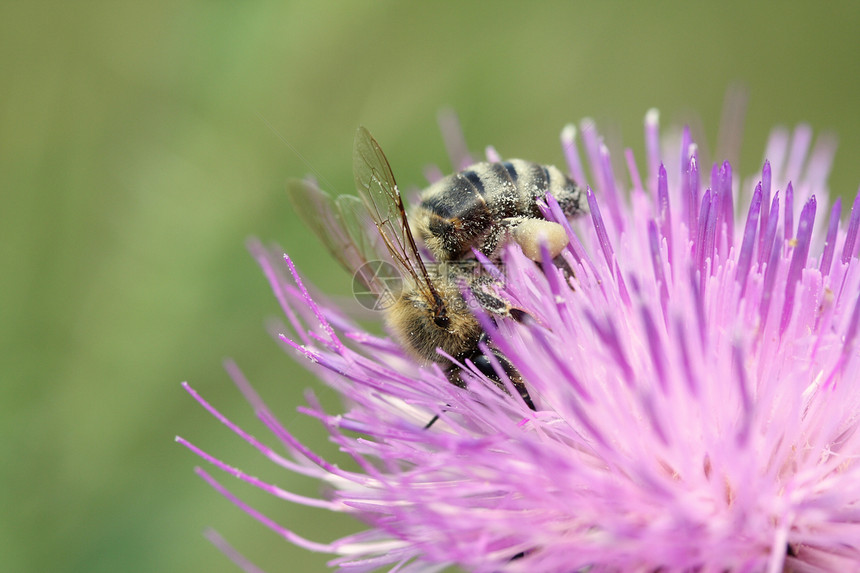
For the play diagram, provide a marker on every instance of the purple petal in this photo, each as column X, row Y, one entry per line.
column 770, row 232
column 798, row 260
column 455, row 140
column 769, row 281
column 664, row 210
column 748, row 244
column 652, row 145
column 726, row 213
column 765, row 215
column 571, row 154
column 693, row 178
column 657, row 263
column 788, row 224
column 830, row 241
column 853, row 226
column 635, row 179
column 611, row 190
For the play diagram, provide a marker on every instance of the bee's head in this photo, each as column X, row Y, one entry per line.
column 425, row 325
column 442, row 320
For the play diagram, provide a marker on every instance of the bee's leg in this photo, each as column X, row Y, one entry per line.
column 483, row 363
column 529, row 233
column 493, row 240
column 453, row 374
column 572, row 200
column 501, row 234
column 561, row 263
column 485, row 366
column 493, row 304
column 488, row 300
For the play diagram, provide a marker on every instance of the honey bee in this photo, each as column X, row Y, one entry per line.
column 480, row 208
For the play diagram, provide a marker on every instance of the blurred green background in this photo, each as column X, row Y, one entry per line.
column 142, row 143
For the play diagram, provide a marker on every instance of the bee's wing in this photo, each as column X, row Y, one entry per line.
column 366, row 240
column 336, row 225
column 378, row 190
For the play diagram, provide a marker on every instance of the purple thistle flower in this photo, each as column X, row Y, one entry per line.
column 696, row 387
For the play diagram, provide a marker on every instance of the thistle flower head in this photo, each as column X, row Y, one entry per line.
column 695, row 383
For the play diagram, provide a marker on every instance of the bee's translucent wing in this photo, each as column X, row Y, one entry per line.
column 375, row 183
column 335, row 224
column 365, row 239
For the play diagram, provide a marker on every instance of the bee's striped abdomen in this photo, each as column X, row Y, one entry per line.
column 458, row 212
